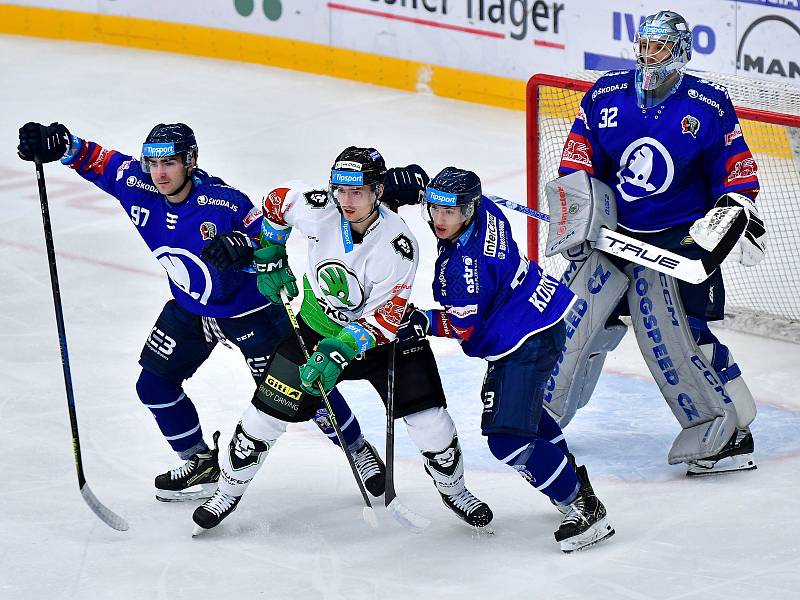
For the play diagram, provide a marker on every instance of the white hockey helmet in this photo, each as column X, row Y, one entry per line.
column 664, row 30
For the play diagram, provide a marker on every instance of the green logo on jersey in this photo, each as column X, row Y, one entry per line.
column 343, row 288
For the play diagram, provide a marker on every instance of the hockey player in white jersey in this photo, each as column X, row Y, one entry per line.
column 362, row 259
column 666, row 148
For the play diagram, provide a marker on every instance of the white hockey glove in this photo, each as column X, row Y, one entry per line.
column 709, row 230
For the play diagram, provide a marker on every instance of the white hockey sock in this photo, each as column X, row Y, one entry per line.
column 255, row 434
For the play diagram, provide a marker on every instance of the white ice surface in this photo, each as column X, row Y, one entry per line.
column 298, row 531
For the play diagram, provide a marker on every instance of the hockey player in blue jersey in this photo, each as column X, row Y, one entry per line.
column 504, row 309
column 191, row 222
column 669, row 149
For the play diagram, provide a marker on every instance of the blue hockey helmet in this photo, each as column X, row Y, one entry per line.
column 453, row 187
column 662, row 46
column 174, row 139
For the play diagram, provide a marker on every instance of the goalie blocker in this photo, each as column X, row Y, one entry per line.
column 695, row 373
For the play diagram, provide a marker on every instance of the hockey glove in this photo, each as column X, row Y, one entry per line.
column 272, row 266
column 405, row 185
column 48, row 143
column 229, row 250
column 414, row 327
column 325, row 365
column 709, row 230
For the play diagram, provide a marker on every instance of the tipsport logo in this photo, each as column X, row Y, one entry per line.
column 273, row 9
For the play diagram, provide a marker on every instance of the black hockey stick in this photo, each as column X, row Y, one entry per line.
column 642, row 253
column 105, row 514
column 401, row 513
column 368, row 512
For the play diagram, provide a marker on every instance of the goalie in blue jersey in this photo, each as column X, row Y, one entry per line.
column 197, row 227
column 504, row 309
column 667, row 148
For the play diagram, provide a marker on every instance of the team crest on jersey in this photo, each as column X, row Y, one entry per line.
column 340, row 285
column 690, row 125
column 208, row 230
column 645, row 169
column 316, row 198
column 403, row 246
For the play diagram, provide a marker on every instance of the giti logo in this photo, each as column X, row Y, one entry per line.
column 283, row 388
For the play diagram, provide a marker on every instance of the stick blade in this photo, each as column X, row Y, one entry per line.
column 412, row 521
column 105, row 514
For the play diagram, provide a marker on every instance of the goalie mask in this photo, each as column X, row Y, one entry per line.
column 450, row 202
column 663, row 47
column 356, row 167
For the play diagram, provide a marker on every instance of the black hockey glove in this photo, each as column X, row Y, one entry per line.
column 230, row 250
column 49, row 143
column 405, row 185
column 414, row 327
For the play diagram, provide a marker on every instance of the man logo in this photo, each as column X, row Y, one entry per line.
column 766, row 48
column 690, row 125
column 403, row 246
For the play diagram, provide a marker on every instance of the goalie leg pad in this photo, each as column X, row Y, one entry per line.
column 255, row 434
column 681, row 370
column 599, row 286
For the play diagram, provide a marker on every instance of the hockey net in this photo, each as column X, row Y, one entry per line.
column 764, row 299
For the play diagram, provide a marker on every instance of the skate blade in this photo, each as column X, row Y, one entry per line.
column 198, row 531
column 197, row 492
column 741, row 462
column 596, row 533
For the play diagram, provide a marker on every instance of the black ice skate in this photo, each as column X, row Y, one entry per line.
column 736, row 455
column 194, row 480
column 470, row 509
column 209, row 514
column 446, row 468
column 370, row 468
column 585, row 523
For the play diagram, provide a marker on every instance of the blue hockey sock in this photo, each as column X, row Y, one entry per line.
column 720, row 355
column 551, row 431
column 540, row 462
column 174, row 412
column 351, row 430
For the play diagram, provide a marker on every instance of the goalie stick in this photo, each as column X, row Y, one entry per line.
column 368, row 513
column 401, row 513
column 104, row 513
column 639, row 252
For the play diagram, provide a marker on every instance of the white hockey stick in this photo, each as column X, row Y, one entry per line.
column 642, row 253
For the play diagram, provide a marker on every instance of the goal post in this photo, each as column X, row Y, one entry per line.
column 764, row 299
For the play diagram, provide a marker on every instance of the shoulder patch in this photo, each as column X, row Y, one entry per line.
column 316, row 198
column 403, row 246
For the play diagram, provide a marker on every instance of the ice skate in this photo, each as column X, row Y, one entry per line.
column 371, row 468
column 211, row 513
column 585, row 523
column 196, row 479
column 736, row 455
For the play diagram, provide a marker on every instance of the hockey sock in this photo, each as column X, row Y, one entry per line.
column 241, row 459
column 540, row 462
column 174, row 413
column 551, row 431
column 431, row 429
column 351, row 430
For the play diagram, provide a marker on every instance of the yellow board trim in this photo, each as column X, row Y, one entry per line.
column 224, row 44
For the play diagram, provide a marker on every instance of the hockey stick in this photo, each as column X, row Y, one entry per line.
column 401, row 513
column 368, row 513
column 105, row 514
column 642, row 253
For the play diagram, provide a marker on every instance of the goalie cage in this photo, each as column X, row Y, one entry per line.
column 764, row 299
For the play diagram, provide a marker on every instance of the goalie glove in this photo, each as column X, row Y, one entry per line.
column 709, row 230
